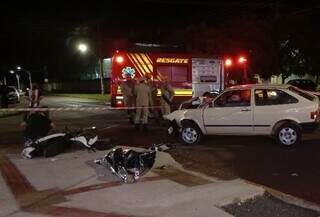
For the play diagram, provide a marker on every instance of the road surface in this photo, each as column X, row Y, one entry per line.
column 294, row 171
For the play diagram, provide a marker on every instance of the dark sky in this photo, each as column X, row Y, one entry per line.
column 34, row 33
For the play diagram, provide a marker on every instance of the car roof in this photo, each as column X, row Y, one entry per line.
column 257, row 86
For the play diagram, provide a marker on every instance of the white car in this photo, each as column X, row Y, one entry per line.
column 281, row 111
column 13, row 95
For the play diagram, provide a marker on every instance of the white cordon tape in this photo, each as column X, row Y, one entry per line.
column 72, row 109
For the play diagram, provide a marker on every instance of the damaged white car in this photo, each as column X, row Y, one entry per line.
column 281, row 111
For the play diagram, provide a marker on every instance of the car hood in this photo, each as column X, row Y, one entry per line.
column 176, row 115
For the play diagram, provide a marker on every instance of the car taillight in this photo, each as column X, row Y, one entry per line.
column 314, row 115
column 119, row 103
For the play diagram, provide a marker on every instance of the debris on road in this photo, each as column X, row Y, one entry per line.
column 129, row 165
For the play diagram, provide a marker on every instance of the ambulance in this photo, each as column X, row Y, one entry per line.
column 190, row 76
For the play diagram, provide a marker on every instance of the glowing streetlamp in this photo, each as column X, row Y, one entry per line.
column 228, row 64
column 83, row 48
column 242, row 60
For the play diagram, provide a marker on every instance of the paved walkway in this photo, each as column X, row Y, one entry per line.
column 70, row 185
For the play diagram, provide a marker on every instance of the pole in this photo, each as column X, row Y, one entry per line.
column 30, row 81
column 18, row 81
column 245, row 73
column 101, row 75
column 100, row 61
column 221, row 87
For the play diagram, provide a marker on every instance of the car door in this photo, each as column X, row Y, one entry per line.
column 230, row 113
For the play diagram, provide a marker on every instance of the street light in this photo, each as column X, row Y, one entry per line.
column 83, row 48
column 227, row 63
column 242, row 60
column 19, row 68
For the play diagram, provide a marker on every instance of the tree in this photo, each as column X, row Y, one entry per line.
column 298, row 45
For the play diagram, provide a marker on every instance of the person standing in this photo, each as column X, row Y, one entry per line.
column 143, row 97
column 167, row 94
column 127, row 89
column 154, row 91
column 34, row 96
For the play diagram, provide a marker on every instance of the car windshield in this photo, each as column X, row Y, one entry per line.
column 196, row 102
column 302, row 93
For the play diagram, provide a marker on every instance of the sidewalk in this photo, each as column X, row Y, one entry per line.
column 71, row 185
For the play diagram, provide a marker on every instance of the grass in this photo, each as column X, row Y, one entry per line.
column 98, row 97
column 8, row 114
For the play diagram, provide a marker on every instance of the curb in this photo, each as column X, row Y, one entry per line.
column 287, row 198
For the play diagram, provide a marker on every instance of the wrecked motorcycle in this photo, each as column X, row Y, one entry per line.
column 130, row 165
column 56, row 143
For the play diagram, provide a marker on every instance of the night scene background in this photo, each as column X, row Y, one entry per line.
column 278, row 37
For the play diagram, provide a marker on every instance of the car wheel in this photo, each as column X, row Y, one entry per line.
column 190, row 134
column 288, row 135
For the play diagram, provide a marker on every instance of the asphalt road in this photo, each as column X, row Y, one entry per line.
column 258, row 159
column 266, row 206
column 294, row 171
column 11, row 132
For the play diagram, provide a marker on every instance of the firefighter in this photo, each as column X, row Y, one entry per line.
column 154, row 90
column 143, row 98
column 167, row 95
column 127, row 89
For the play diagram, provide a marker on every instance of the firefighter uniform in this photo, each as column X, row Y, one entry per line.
column 168, row 93
column 127, row 89
column 143, row 97
column 153, row 100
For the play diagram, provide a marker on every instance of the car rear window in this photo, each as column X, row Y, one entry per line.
column 265, row 97
column 302, row 93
